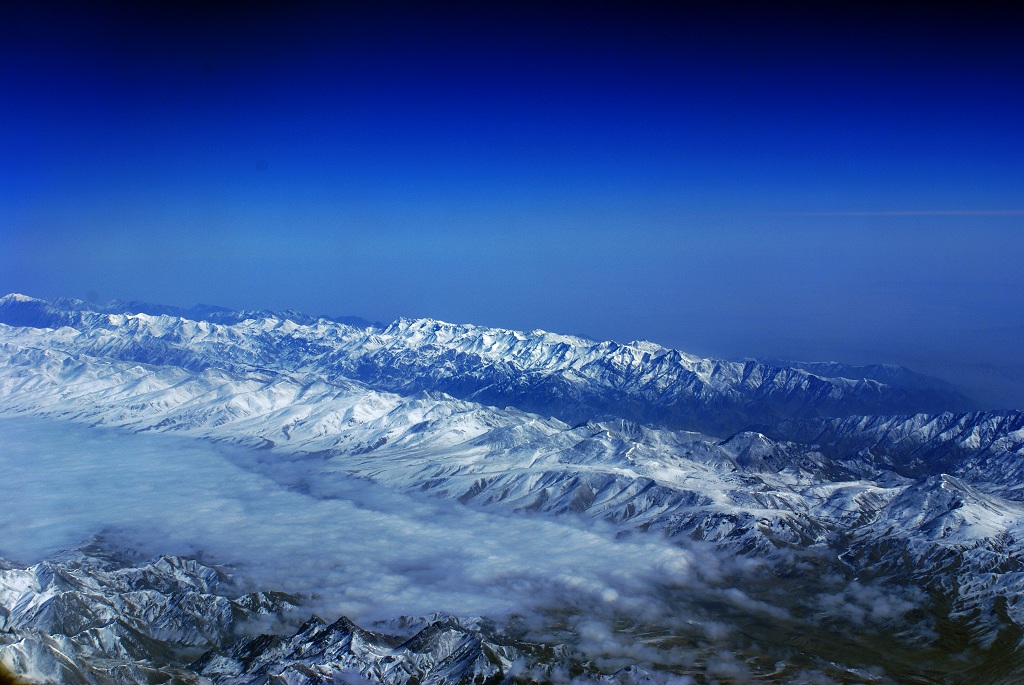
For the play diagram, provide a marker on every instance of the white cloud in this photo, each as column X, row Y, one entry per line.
column 368, row 552
column 919, row 212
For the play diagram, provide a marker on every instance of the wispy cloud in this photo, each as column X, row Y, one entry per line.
column 916, row 212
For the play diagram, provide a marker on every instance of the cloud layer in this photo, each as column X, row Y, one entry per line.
column 374, row 554
column 367, row 552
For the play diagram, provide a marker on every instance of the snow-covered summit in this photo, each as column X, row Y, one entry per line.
column 17, row 297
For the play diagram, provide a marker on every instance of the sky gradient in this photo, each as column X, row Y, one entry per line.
column 830, row 183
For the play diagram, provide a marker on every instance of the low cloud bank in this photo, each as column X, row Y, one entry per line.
column 368, row 553
column 373, row 554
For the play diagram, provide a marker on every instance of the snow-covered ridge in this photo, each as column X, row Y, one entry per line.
column 622, row 472
column 571, row 378
column 981, row 446
column 17, row 297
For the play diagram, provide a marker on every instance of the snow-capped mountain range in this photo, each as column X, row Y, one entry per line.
column 873, row 474
column 571, row 378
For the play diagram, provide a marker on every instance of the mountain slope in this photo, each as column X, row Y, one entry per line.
column 92, row 616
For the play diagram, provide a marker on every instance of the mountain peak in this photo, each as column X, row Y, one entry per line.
column 18, row 297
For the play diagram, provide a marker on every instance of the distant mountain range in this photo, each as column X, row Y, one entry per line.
column 570, row 378
column 874, row 474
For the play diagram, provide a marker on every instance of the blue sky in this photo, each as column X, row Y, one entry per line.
column 842, row 182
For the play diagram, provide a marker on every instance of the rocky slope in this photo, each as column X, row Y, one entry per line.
column 91, row 616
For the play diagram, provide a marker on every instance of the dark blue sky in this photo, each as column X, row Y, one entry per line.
column 835, row 182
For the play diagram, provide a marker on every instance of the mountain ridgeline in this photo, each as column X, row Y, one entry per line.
column 570, row 378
